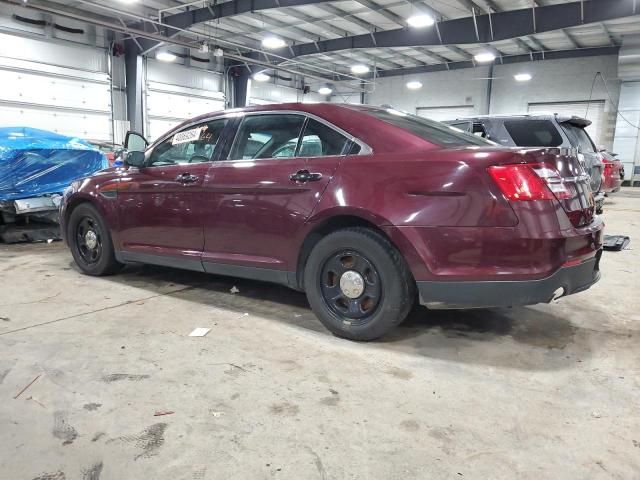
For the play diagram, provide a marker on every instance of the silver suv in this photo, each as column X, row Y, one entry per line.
column 551, row 130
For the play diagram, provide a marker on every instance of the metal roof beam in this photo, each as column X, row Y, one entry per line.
column 507, row 25
column 549, row 55
column 388, row 14
column 612, row 39
column 571, row 38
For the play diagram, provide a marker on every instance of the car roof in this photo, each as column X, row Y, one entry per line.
column 573, row 119
column 352, row 119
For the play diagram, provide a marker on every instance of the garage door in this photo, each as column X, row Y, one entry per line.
column 441, row 114
column 175, row 93
column 595, row 114
column 71, row 97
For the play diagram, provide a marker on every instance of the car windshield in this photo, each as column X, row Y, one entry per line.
column 533, row 133
column 430, row 130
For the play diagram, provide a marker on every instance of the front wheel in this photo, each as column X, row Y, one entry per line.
column 358, row 284
column 90, row 242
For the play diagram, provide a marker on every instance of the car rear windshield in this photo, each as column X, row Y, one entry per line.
column 533, row 133
column 432, row 131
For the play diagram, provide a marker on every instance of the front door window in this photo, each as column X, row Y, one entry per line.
column 194, row 144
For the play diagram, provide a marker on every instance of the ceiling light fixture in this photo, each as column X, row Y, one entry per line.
column 420, row 21
column 261, row 77
column 272, row 42
column 485, row 57
column 414, row 85
column 522, row 77
column 165, row 56
column 359, row 69
column 325, row 91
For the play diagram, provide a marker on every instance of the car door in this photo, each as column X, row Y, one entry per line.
column 265, row 189
column 160, row 204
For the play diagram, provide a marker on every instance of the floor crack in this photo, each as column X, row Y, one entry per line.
column 76, row 315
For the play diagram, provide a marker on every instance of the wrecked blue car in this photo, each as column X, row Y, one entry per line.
column 35, row 168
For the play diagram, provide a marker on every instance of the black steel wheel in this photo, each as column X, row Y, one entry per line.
column 350, row 285
column 90, row 241
column 358, row 284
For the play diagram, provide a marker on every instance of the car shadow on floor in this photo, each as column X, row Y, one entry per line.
column 527, row 338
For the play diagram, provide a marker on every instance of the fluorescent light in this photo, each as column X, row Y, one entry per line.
column 261, row 77
column 485, row 57
column 165, row 56
column 522, row 77
column 324, row 91
column 359, row 69
column 420, row 21
column 273, row 42
column 414, row 85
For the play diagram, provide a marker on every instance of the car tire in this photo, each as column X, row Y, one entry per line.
column 366, row 304
column 90, row 242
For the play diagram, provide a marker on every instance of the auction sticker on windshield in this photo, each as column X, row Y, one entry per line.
column 187, row 136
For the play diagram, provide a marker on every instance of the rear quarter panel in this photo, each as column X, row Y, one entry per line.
column 449, row 219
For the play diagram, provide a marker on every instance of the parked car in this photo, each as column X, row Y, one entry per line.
column 390, row 209
column 613, row 172
column 539, row 130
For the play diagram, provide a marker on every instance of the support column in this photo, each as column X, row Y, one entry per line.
column 489, row 88
column 626, row 142
column 241, row 88
column 134, row 78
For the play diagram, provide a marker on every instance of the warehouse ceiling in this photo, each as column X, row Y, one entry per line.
column 328, row 38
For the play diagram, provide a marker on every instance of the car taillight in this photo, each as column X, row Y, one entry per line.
column 530, row 182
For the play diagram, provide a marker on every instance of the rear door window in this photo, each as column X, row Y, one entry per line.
column 533, row 133
column 267, row 136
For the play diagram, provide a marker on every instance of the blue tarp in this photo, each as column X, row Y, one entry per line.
column 36, row 162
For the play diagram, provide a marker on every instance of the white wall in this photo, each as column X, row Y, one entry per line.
column 439, row 89
column 566, row 80
column 553, row 81
column 273, row 93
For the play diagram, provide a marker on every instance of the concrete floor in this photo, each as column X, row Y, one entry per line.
column 550, row 391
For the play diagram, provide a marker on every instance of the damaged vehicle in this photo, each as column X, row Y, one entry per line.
column 35, row 168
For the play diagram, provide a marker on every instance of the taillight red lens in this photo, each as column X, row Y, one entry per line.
column 521, row 182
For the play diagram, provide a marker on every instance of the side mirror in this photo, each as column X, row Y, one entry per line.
column 134, row 159
column 134, row 142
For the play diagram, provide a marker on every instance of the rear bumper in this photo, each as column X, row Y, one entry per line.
column 483, row 294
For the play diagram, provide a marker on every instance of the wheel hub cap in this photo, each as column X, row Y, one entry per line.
column 91, row 239
column 351, row 284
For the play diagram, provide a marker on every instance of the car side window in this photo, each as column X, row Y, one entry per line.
column 320, row 140
column 267, row 136
column 194, row 144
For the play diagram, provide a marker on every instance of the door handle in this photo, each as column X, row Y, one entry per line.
column 304, row 176
column 186, row 178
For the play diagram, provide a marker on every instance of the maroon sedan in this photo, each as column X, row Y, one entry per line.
column 365, row 209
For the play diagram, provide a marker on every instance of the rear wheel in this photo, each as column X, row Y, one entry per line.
column 358, row 284
column 90, row 242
